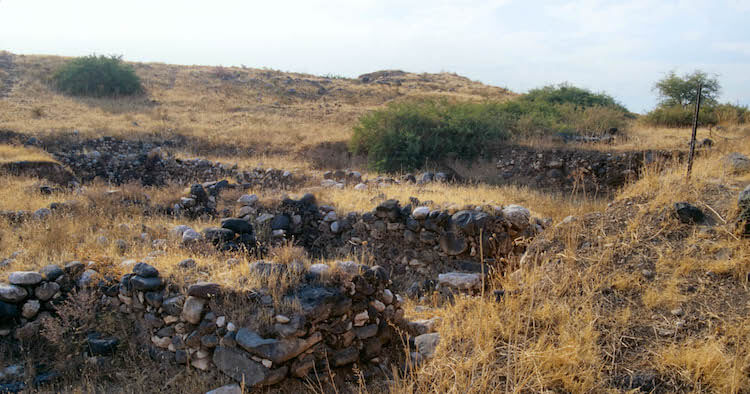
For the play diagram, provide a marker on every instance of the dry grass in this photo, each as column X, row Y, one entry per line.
column 259, row 113
column 585, row 319
column 11, row 153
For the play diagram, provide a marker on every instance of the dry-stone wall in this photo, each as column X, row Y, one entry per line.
column 332, row 318
column 120, row 161
column 409, row 240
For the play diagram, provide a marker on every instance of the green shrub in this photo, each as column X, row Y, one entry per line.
column 97, row 76
column 682, row 116
column 406, row 135
column 578, row 97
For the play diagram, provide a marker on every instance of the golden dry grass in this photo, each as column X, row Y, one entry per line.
column 576, row 321
column 253, row 111
column 11, row 153
column 582, row 318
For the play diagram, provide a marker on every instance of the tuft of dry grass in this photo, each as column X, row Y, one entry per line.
column 11, row 153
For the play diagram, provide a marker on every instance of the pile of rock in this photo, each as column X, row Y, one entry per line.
column 341, row 179
column 20, row 216
column 418, row 238
column 201, row 200
column 570, row 170
column 30, row 295
column 119, row 161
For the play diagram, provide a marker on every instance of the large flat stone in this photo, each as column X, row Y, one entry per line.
column 24, row 278
column 275, row 350
column 235, row 364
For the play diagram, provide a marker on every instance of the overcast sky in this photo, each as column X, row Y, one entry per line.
column 620, row 47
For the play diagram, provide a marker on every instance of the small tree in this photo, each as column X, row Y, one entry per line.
column 97, row 76
column 681, row 91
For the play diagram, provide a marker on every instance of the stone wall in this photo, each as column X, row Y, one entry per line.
column 331, row 318
column 413, row 240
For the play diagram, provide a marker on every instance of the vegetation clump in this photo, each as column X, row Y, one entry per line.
column 677, row 96
column 406, row 135
column 97, row 76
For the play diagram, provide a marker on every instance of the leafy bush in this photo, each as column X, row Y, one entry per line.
column 405, row 135
column 682, row 116
column 97, row 76
column 568, row 94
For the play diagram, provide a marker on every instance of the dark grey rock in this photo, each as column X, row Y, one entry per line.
column 12, row 293
column 280, row 222
column 204, row 289
column 470, row 222
column 74, row 268
column 46, row 290
column 275, row 350
column 102, row 346
column 8, row 311
column 146, row 284
column 239, row 226
column 452, row 244
column 345, row 356
column 51, row 272
column 235, row 364
column 173, row 305
column 145, row 270
column 218, row 235
column 367, row 331
column 688, row 213
column 154, row 299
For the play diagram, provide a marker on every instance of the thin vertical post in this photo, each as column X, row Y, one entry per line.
column 695, row 130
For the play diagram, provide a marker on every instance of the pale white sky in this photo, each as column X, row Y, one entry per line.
column 620, row 47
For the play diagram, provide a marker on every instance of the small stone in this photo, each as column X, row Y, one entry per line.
column 210, row 341
column 231, row 327
column 186, row 264
column 426, row 344
column 282, row 319
column 221, row 321
column 30, row 309
column 361, row 318
column 46, row 290
column 193, row 309
column 379, row 306
column 387, row 297
column 162, row 342
column 421, row 213
column 88, row 279
column 190, row 236
column 460, row 280
column 248, row 199
column 202, row 363
column 267, row 363
column 233, row 388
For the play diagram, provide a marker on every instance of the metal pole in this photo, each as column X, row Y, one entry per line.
column 695, row 130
